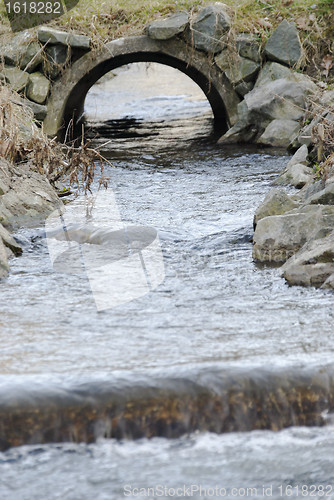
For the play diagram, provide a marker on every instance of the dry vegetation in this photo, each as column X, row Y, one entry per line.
column 105, row 20
column 21, row 140
column 323, row 140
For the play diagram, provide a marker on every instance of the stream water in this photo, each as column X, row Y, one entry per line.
column 214, row 310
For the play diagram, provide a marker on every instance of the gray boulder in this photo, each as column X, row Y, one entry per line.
column 224, row 60
column 39, row 110
column 9, row 241
column 238, row 134
column 300, row 156
column 164, row 29
column 327, row 98
column 279, row 237
column 56, row 37
column 56, row 57
column 297, row 175
column 323, row 197
column 276, row 202
column 237, row 70
column 29, row 196
column 329, row 283
column 284, row 45
column 243, row 88
column 272, row 71
column 17, row 79
column 22, row 51
column 242, row 131
column 305, row 135
column 209, row 27
column 38, row 88
column 279, row 133
column 310, row 189
column 313, row 265
column 5, row 214
column 249, row 46
column 283, row 99
column 5, row 180
column 4, row 268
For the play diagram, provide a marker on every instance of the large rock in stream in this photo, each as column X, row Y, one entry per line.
column 279, row 133
column 279, row 237
column 297, row 175
column 4, row 267
column 313, row 265
column 8, row 248
column 25, row 195
column 276, row 202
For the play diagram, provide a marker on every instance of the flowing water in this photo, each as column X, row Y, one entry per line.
column 216, row 319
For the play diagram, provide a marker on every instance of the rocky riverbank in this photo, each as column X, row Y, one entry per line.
column 26, row 194
column 296, row 229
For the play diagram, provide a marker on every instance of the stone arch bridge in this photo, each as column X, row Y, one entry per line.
column 68, row 92
column 254, row 94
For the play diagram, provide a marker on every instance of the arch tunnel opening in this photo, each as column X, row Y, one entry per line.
column 75, row 105
column 145, row 101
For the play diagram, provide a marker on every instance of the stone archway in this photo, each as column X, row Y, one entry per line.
column 68, row 93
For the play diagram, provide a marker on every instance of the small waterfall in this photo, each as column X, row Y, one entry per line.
column 218, row 400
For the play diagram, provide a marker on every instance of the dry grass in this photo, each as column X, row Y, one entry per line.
column 105, row 20
column 110, row 19
column 17, row 125
column 323, row 140
column 21, row 140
